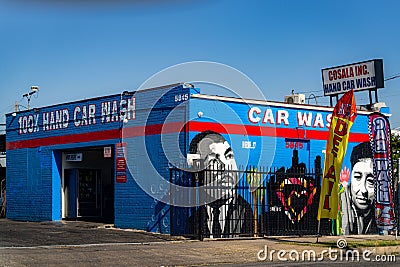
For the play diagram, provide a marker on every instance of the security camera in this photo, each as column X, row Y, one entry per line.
column 35, row 88
column 188, row 85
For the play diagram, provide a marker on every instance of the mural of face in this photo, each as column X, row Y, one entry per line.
column 221, row 158
column 362, row 184
column 226, row 213
column 218, row 156
column 220, row 161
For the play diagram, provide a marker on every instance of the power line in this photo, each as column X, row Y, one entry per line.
column 392, row 77
column 312, row 91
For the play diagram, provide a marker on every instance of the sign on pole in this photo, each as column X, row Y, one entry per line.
column 366, row 75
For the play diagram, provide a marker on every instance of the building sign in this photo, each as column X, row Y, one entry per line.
column 282, row 117
column 297, row 143
column 73, row 157
column 78, row 116
column 107, row 152
column 365, row 75
column 120, row 163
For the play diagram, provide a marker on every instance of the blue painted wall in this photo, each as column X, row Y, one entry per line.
column 274, row 151
column 258, row 133
column 36, row 138
column 29, row 184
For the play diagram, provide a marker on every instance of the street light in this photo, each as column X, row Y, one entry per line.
column 28, row 96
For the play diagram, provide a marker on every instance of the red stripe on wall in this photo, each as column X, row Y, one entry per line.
column 174, row 127
column 64, row 139
column 171, row 127
column 256, row 130
column 98, row 136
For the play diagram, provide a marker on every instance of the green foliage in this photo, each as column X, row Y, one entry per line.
column 395, row 155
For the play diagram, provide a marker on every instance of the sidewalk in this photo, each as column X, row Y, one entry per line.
column 88, row 244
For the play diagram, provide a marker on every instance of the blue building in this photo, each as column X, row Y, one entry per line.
column 109, row 158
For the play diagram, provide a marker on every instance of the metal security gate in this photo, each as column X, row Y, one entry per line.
column 261, row 202
column 293, row 198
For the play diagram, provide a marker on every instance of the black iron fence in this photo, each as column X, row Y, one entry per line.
column 246, row 202
column 3, row 198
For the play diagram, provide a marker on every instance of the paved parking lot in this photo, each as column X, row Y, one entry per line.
column 32, row 234
column 92, row 244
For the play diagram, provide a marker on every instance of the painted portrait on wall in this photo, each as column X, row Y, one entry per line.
column 357, row 193
column 228, row 214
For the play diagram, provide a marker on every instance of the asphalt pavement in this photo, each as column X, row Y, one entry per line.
column 77, row 243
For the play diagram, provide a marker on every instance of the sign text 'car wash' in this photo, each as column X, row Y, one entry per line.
column 367, row 75
column 78, row 116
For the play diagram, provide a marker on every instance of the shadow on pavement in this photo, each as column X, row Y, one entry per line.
column 31, row 234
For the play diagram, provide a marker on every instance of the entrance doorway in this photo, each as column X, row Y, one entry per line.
column 88, row 185
column 83, row 193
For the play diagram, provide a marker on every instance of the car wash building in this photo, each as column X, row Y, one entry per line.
column 109, row 158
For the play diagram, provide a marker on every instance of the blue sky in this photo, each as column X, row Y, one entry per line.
column 82, row 49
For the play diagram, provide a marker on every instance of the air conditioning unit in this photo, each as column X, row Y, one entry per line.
column 378, row 106
column 295, row 99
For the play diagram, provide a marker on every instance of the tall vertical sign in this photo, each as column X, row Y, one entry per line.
column 343, row 117
column 379, row 133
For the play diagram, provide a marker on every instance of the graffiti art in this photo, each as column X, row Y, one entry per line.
column 300, row 191
column 357, row 197
column 293, row 202
column 228, row 213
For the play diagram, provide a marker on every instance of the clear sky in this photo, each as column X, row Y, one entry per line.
column 81, row 49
